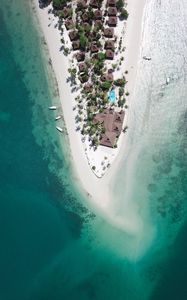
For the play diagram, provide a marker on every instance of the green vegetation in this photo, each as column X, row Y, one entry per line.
column 90, row 13
column 121, row 91
column 101, row 56
column 125, row 129
column 121, row 102
column 61, row 13
column 120, row 82
column 59, row 4
column 45, row 2
column 66, row 51
column 98, row 68
column 99, row 63
column 72, row 71
column 120, row 4
column 106, row 85
column 83, row 41
column 124, row 14
column 84, row 78
column 120, row 44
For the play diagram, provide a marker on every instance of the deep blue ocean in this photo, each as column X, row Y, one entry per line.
column 49, row 248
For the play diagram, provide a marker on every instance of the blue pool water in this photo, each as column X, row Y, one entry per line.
column 112, row 96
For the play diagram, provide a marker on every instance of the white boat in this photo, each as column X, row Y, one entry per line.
column 52, row 107
column 59, row 128
column 167, row 80
column 58, row 117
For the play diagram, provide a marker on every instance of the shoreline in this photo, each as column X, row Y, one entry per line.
column 97, row 188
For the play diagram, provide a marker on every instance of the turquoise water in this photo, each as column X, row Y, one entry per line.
column 53, row 247
column 112, row 96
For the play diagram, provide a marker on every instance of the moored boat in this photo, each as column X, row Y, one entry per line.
column 59, row 128
column 58, row 117
column 52, row 107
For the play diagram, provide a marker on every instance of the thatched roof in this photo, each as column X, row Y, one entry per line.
column 82, row 67
column 98, row 23
column 109, row 54
column 73, row 35
column 85, row 17
column 98, row 14
column 94, row 48
column 69, row 24
column 82, row 4
column 94, row 3
column 80, row 56
column 86, row 26
column 88, row 87
column 119, row 117
column 112, row 11
column 108, row 139
column 113, row 122
column 66, row 12
column 107, row 76
column 110, row 45
column 111, row 2
column 112, row 21
column 76, row 45
column 109, row 32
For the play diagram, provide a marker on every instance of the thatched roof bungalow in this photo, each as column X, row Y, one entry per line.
column 76, row 45
column 82, row 67
column 88, row 87
column 98, row 24
column 69, row 24
column 112, row 21
column 112, row 11
column 109, row 32
column 109, row 54
column 73, row 35
column 80, row 56
column 66, row 12
column 86, row 26
column 82, row 4
column 94, row 48
column 94, row 3
column 109, row 44
column 98, row 14
column 111, row 3
column 85, row 17
column 107, row 76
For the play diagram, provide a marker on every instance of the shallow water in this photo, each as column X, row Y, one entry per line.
column 153, row 179
column 52, row 246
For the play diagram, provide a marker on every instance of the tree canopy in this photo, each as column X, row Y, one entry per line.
column 124, row 14
column 58, row 4
column 120, row 4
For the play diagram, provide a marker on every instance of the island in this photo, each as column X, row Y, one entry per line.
column 95, row 73
column 92, row 38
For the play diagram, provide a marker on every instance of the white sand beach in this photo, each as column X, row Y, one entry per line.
column 97, row 188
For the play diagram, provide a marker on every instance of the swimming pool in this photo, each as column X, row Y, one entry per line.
column 112, row 96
